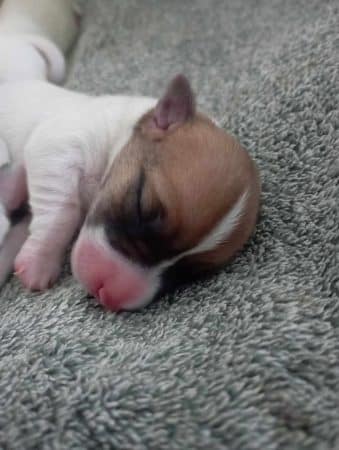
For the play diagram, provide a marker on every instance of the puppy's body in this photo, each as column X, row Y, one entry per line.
column 36, row 114
column 33, row 37
column 158, row 183
column 64, row 141
column 30, row 57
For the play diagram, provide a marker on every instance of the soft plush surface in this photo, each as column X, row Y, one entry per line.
column 248, row 359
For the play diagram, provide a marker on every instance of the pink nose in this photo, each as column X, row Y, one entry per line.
column 115, row 282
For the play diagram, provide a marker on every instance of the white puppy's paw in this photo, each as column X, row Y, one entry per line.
column 36, row 270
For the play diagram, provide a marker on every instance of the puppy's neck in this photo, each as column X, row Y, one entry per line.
column 120, row 115
column 112, row 125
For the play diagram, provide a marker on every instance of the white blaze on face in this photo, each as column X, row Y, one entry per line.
column 219, row 234
column 223, row 230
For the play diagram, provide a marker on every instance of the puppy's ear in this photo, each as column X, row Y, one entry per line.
column 176, row 106
column 55, row 61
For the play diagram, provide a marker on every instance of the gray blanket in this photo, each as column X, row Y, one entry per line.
column 248, row 359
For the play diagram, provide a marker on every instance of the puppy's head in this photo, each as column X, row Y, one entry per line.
column 181, row 193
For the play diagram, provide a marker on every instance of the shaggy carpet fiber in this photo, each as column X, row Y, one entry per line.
column 248, row 359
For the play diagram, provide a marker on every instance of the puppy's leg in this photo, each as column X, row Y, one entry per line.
column 11, row 246
column 4, row 161
column 52, row 165
column 4, row 224
column 13, row 189
column 13, row 194
column 4, row 153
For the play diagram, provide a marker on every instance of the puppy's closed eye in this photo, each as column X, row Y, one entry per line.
column 140, row 214
column 150, row 213
column 137, row 227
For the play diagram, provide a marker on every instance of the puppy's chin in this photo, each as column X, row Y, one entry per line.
column 117, row 283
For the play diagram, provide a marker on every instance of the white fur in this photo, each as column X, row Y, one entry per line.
column 52, row 19
column 33, row 35
column 29, row 57
column 96, row 127
column 65, row 140
column 223, row 230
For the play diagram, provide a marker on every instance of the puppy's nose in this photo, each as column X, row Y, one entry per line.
column 116, row 283
column 119, row 292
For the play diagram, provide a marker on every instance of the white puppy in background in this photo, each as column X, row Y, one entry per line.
column 34, row 36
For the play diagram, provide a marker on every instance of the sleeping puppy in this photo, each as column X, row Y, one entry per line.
column 151, row 185
column 34, row 34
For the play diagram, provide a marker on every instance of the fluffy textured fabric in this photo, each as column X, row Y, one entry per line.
column 249, row 359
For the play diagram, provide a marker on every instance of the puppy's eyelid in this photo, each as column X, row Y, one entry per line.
column 154, row 218
column 151, row 217
column 139, row 193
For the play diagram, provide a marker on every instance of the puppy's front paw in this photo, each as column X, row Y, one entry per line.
column 36, row 271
